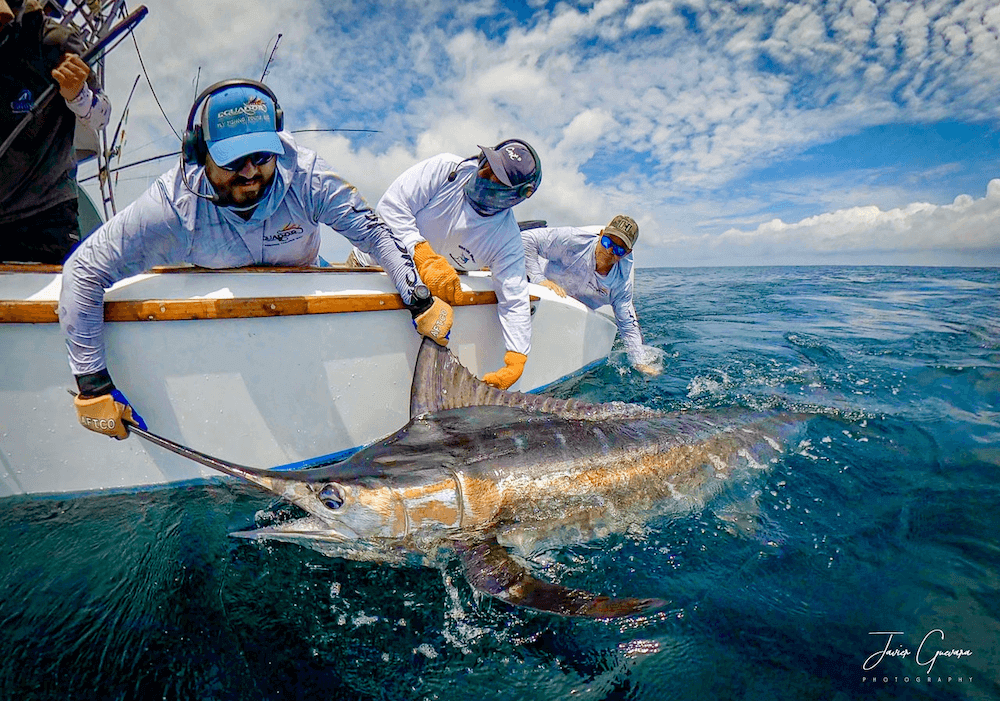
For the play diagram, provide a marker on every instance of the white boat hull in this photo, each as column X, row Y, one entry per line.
column 256, row 390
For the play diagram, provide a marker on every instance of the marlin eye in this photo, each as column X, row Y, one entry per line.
column 332, row 496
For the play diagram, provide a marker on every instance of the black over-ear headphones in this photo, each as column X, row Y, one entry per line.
column 527, row 189
column 193, row 146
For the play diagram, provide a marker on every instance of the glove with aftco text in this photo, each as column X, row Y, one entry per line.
column 437, row 274
column 509, row 373
column 435, row 322
column 102, row 408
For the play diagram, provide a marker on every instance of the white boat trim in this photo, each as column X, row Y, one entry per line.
column 261, row 366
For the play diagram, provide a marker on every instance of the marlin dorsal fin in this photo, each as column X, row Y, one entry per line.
column 440, row 382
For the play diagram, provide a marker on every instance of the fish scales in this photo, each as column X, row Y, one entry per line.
column 476, row 467
column 583, row 474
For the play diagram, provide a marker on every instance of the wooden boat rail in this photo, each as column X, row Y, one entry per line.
column 46, row 311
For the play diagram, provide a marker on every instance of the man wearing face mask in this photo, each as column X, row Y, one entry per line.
column 243, row 194
column 454, row 213
column 38, row 190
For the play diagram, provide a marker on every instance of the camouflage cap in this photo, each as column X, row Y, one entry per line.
column 624, row 228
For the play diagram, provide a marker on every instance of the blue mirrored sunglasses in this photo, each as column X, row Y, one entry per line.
column 258, row 159
column 612, row 246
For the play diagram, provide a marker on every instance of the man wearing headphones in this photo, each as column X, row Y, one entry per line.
column 243, row 194
column 456, row 213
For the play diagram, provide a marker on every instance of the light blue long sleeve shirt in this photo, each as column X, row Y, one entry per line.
column 169, row 224
column 567, row 256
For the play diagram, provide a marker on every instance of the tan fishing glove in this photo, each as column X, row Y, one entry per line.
column 509, row 374
column 105, row 414
column 71, row 74
column 435, row 323
column 440, row 278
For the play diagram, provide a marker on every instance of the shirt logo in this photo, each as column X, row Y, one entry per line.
column 463, row 258
column 599, row 288
column 23, row 103
column 289, row 233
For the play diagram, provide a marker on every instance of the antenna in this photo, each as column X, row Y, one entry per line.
column 112, row 150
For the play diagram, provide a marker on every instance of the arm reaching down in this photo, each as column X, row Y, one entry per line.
column 509, row 373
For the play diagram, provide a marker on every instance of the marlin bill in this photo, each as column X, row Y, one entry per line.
column 478, row 471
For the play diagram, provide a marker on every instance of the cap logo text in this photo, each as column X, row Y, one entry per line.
column 253, row 105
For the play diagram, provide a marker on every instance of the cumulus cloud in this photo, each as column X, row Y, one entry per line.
column 660, row 108
column 967, row 225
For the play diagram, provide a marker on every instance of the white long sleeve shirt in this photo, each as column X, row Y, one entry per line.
column 423, row 204
column 169, row 224
column 91, row 107
column 567, row 256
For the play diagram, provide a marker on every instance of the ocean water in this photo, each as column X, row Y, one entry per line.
column 864, row 565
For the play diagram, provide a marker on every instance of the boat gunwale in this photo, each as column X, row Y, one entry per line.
column 187, row 309
column 172, row 269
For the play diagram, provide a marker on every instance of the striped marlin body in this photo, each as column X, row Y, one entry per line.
column 477, row 467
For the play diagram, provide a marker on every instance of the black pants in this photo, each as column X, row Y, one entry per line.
column 46, row 237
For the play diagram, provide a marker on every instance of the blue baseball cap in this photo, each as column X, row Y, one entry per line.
column 238, row 121
column 512, row 162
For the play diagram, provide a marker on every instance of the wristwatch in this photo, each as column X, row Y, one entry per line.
column 421, row 293
column 420, row 301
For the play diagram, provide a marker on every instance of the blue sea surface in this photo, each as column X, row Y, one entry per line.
column 864, row 565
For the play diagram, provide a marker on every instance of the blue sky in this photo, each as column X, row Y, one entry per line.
column 735, row 133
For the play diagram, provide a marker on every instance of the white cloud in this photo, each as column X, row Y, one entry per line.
column 965, row 225
column 683, row 113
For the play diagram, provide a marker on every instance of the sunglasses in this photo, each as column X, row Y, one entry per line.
column 612, row 246
column 257, row 159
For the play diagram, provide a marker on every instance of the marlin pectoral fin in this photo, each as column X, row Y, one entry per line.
column 490, row 569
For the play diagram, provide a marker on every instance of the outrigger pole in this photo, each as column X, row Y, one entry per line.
column 92, row 54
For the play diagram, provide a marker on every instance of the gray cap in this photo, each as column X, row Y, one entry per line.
column 624, row 228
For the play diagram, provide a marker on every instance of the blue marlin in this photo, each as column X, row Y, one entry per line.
column 478, row 470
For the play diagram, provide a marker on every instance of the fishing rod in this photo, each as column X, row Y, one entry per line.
column 174, row 154
column 91, row 55
column 270, row 58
